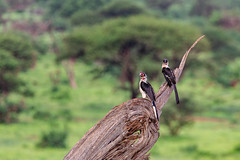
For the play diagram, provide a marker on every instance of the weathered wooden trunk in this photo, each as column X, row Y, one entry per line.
column 128, row 131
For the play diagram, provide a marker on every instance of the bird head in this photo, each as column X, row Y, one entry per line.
column 165, row 63
column 165, row 60
column 143, row 76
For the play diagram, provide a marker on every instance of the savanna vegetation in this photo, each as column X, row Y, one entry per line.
column 65, row 64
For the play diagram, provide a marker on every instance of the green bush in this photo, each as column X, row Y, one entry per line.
column 230, row 75
column 65, row 114
column 190, row 148
column 121, row 8
column 19, row 46
column 60, row 93
column 224, row 43
column 15, row 55
column 86, row 17
column 59, row 23
column 237, row 148
column 42, row 115
column 55, row 138
column 176, row 116
column 9, row 110
column 40, row 46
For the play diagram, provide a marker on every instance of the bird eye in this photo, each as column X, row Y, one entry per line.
column 165, row 60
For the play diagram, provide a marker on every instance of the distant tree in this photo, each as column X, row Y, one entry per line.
column 9, row 109
column 16, row 56
column 113, row 9
column 207, row 8
column 86, row 17
column 126, row 46
column 3, row 9
column 68, row 8
column 8, row 69
column 55, row 137
column 18, row 5
column 175, row 117
column 230, row 75
column 62, row 13
column 224, row 43
column 161, row 4
column 121, row 8
column 204, row 8
column 70, row 55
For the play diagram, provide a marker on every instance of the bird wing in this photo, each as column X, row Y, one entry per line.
column 169, row 74
column 147, row 88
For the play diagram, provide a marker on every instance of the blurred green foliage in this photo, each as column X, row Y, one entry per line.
column 9, row 110
column 100, row 33
column 16, row 55
column 130, row 44
column 19, row 46
column 206, row 8
column 114, row 9
column 121, row 8
column 3, row 8
column 55, row 137
column 178, row 116
column 230, row 74
column 86, row 17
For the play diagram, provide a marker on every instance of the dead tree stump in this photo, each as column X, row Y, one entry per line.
column 128, row 131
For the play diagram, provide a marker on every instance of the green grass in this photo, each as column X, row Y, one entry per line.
column 81, row 108
column 90, row 93
column 205, row 140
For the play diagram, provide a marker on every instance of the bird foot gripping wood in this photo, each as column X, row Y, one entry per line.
column 128, row 131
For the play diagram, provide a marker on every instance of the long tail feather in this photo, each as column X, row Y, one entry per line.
column 155, row 110
column 176, row 93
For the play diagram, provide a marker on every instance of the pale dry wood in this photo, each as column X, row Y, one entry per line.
column 128, row 131
column 164, row 91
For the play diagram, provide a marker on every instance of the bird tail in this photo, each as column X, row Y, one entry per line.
column 155, row 110
column 176, row 93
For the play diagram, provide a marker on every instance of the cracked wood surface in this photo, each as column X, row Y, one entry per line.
column 128, row 131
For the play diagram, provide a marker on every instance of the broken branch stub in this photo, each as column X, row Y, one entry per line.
column 128, row 131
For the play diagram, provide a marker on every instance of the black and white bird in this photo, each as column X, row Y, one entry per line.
column 170, row 77
column 147, row 91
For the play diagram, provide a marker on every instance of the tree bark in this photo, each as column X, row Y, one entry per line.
column 69, row 67
column 128, row 131
column 127, row 73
